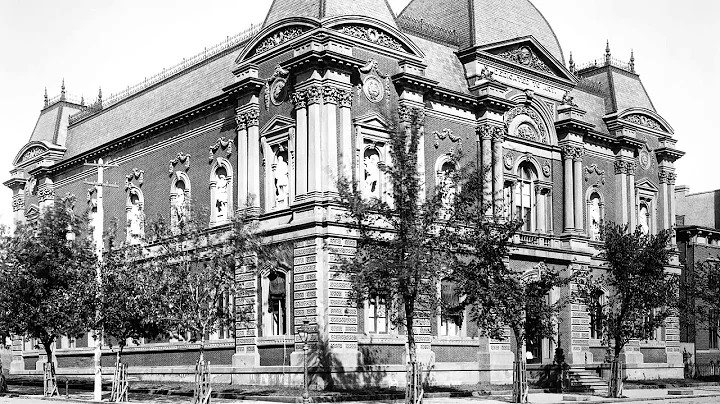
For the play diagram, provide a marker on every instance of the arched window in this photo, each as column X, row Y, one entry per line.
column 371, row 185
column 275, row 303
column 179, row 200
column 220, row 191
column 525, row 195
column 594, row 216
column 135, row 214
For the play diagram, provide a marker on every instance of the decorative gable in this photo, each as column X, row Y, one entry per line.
column 526, row 53
column 276, row 124
column 372, row 120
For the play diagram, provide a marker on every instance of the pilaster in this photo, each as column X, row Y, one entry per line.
column 498, row 173
column 331, row 96
column 17, row 186
column 621, row 188
column 246, row 327
column 568, row 153
column 242, row 170
column 345, row 105
column 342, row 314
column 632, row 197
column 315, row 125
column 577, row 189
column 309, row 294
column 299, row 99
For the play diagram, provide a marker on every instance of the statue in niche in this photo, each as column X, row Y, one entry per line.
column 178, row 208
column 643, row 219
column 135, row 217
column 221, row 193
column 595, row 218
column 281, row 181
column 372, row 175
column 448, row 187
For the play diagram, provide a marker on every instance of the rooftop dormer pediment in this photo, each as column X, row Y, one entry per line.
column 527, row 55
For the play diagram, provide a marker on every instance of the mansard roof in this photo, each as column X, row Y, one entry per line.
column 322, row 9
column 52, row 123
column 481, row 22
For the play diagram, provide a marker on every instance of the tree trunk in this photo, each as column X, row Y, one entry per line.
column 519, row 372
column 3, row 383
column 412, row 387
column 615, row 385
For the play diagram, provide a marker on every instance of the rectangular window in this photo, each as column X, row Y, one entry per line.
column 713, row 334
column 450, row 320
column 377, row 316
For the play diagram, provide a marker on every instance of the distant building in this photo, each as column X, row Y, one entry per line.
column 276, row 113
column 698, row 239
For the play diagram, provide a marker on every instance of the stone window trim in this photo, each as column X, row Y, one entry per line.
column 373, row 318
column 217, row 163
column 373, row 138
column 646, row 196
column 135, row 226
column 540, row 191
column 441, row 163
column 175, row 193
column 445, row 324
column 266, row 322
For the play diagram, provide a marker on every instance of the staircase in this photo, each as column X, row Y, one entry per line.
column 582, row 380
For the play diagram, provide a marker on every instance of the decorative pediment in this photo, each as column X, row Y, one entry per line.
column 646, row 185
column 279, row 37
column 32, row 212
column 277, row 123
column 373, row 35
column 372, row 120
column 527, row 53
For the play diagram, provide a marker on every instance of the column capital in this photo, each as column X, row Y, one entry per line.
column 299, row 99
column 486, row 131
column 18, row 202
column 248, row 117
column 671, row 178
column 631, row 166
column 570, row 152
column 345, row 98
column 406, row 114
column 663, row 176
column 621, row 167
column 331, row 94
column 240, row 122
column 314, row 95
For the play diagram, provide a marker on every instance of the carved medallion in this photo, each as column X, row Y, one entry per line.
column 508, row 161
column 526, row 131
column 644, row 159
column 373, row 88
column 546, row 169
column 278, row 91
column 524, row 56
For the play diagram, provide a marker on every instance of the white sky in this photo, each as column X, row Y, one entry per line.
column 117, row 43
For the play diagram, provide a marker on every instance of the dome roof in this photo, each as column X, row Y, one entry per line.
column 481, row 22
column 321, row 9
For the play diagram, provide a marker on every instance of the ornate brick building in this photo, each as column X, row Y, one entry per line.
column 276, row 114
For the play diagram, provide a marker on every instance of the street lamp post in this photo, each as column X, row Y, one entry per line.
column 304, row 334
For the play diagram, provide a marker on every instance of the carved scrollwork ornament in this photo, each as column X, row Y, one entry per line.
column 181, row 158
column 594, row 169
column 524, row 56
column 222, row 143
column 536, row 132
column 279, row 38
column 508, row 161
column 446, row 133
column 645, row 121
column 136, row 174
column 371, row 35
column 486, row 74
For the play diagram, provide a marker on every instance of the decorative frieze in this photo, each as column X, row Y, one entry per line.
column 279, row 38
column 574, row 153
column 524, row 56
column 371, row 35
column 446, row 133
column 31, row 153
column 645, row 121
column 536, row 133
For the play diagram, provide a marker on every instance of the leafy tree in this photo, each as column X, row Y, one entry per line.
column 130, row 309
column 498, row 298
column 197, row 284
column 700, row 289
column 398, row 259
column 47, row 282
column 642, row 294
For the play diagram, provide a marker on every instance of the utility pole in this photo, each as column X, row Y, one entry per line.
column 99, row 223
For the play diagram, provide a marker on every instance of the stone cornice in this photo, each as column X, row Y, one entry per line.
column 413, row 82
column 669, row 154
column 323, row 58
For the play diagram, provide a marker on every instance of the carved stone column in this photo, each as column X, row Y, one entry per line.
column 663, row 180
column 301, row 143
column 330, row 138
column 632, row 200
column 17, row 185
column 577, row 188
column 246, row 352
column 253, row 131
column 498, row 177
column 345, row 104
column 314, row 124
column 620, row 175
column 541, row 220
column 242, row 170
column 485, row 132
column 671, row 184
column 46, row 193
column 568, row 152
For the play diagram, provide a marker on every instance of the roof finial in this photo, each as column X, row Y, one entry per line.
column 572, row 64
column 607, row 52
column 632, row 61
column 82, row 100
column 46, row 97
column 62, row 90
